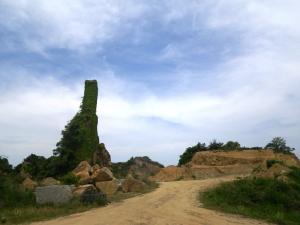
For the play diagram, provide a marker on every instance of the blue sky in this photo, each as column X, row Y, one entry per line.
column 170, row 73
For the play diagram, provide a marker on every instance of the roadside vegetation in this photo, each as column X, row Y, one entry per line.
column 273, row 200
column 17, row 204
column 31, row 213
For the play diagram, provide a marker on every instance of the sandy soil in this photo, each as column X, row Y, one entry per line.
column 174, row 203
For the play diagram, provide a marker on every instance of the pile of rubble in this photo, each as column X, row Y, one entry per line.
column 92, row 179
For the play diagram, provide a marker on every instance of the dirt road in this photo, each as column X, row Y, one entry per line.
column 173, row 203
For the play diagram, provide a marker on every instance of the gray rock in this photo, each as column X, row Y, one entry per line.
column 55, row 194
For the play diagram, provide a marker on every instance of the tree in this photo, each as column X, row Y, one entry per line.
column 190, row 152
column 278, row 144
column 231, row 145
column 5, row 167
column 214, row 145
column 36, row 166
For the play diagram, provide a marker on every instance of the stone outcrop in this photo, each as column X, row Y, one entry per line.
column 143, row 167
column 108, row 187
column 80, row 138
column 29, row 184
column 55, row 194
column 139, row 167
column 101, row 156
column 208, row 164
column 131, row 184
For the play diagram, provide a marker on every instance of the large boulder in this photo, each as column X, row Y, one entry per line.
column 108, row 187
column 29, row 184
column 103, row 174
column 55, row 194
column 80, row 190
column 85, row 178
column 131, row 184
column 83, row 171
column 83, row 166
column 49, row 181
column 95, row 168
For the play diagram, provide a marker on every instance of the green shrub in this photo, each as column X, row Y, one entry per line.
column 231, row 145
column 278, row 144
column 70, row 179
column 121, row 169
column 5, row 167
column 92, row 196
column 190, row 152
column 259, row 198
column 12, row 194
column 215, row 145
column 271, row 162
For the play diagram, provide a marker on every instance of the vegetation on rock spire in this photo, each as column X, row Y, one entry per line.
column 80, row 138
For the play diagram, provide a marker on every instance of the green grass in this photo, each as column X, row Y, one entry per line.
column 269, row 199
column 27, row 214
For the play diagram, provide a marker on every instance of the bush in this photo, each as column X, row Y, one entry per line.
column 259, row 198
column 70, row 179
column 5, row 167
column 231, row 145
column 92, row 196
column 36, row 166
column 278, row 144
column 121, row 169
column 190, row 152
column 12, row 194
column 271, row 162
column 215, row 145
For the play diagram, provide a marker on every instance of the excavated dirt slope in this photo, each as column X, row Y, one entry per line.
column 209, row 164
column 173, row 203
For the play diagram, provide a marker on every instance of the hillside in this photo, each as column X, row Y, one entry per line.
column 139, row 167
column 209, row 164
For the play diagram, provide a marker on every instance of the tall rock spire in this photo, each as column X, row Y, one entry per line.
column 80, row 139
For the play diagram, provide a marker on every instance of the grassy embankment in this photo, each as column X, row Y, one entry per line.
column 268, row 199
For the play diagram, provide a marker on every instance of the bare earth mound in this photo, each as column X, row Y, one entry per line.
column 208, row 164
column 174, row 203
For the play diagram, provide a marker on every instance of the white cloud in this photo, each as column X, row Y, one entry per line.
column 251, row 96
column 71, row 24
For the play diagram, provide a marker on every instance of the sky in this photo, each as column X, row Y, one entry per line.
column 170, row 73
